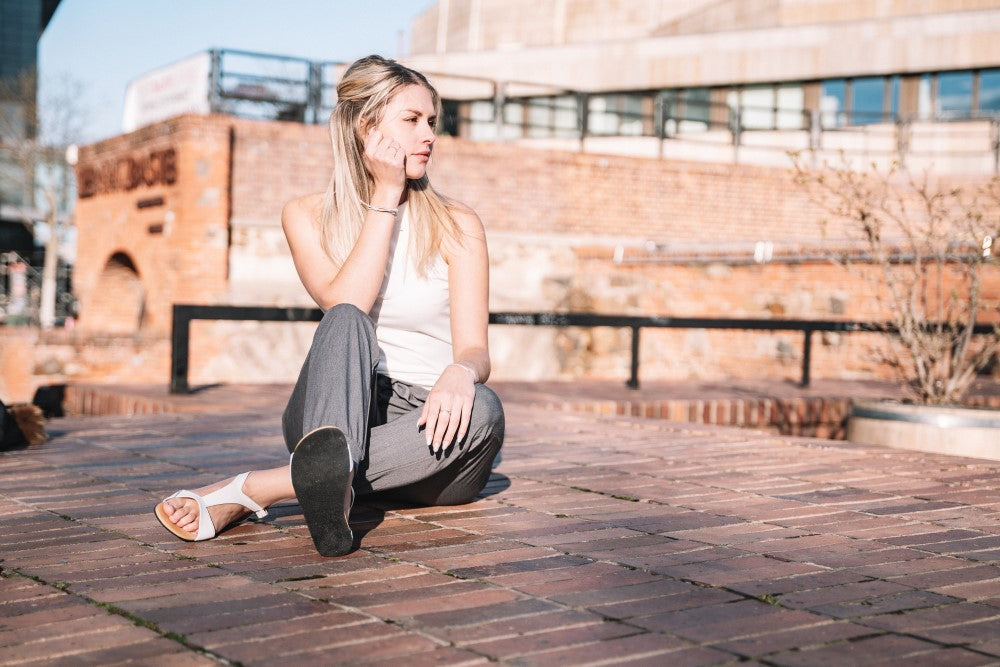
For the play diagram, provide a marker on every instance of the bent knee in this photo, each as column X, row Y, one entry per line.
column 487, row 409
column 344, row 319
column 343, row 311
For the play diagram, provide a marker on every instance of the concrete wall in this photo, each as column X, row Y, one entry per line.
column 589, row 45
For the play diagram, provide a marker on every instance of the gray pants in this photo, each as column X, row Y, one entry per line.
column 338, row 386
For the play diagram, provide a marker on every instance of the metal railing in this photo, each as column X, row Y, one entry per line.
column 258, row 85
column 184, row 314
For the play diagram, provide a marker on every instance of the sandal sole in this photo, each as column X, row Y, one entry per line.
column 161, row 516
column 321, row 470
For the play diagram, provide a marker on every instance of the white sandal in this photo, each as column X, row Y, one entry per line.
column 230, row 493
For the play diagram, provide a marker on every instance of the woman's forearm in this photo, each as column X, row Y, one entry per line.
column 476, row 361
column 359, row 279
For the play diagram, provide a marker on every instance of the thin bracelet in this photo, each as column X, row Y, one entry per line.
column 394, row 211
column 475, row 375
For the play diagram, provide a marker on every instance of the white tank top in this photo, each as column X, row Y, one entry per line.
column 412, row 314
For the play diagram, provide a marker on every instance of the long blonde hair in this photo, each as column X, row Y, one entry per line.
column 362, row 96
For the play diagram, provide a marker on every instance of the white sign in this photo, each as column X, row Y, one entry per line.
column 169, row 91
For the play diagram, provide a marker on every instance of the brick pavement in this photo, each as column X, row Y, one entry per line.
column 600, row 540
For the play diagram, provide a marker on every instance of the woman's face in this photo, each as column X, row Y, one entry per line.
column 410, row 119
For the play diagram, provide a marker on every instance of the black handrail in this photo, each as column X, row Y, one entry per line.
column 183, row 314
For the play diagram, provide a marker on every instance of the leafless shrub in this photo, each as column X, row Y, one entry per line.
column 925, row 245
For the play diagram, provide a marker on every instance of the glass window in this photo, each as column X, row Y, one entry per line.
column 791, row 105
column 832, row 102
column 758, row 107
column 924, row 109
column 481, row 123
column 989, row 92
column 565, row 116
column 615, row 115
column 539, row 117
column 954, row 95
column 513, row 119
column 696, row 109
column 481, row 111
column 670, row 99
column 601, row 118
column 894, row 97
column 866, row 100
column 684, row 110
column 631, row 115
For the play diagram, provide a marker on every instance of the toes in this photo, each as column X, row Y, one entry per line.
column 183, row 513
column 189, row 520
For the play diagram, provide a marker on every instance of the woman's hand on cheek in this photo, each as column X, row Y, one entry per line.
column 448, row 408
column 386, row 160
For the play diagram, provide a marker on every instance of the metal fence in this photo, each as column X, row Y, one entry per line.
column 183, row 315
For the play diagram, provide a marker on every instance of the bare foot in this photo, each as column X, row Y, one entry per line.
column 183, row 512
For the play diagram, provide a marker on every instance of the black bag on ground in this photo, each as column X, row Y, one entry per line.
column 20, row 425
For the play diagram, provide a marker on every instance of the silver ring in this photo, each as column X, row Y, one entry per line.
column 446, row 411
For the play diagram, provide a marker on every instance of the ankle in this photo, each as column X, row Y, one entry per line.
column 260, row 488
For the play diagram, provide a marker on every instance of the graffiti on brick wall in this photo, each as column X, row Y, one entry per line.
column 126, row 173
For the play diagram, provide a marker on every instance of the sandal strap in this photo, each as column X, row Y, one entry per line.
column 233, row 493
column 230, row 493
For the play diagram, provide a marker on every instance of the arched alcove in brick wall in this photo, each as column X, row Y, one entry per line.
column 117, row 304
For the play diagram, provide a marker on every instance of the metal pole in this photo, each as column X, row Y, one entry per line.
column 180, row 334
column 582, row 116
column 736, row 128
column 995, row 125
column 815, row 130
column 806, row 356
column 660, row 119
column 215, row 81
column 902, row 140
column 499, row 100
column 633, row 381
column 314, row 95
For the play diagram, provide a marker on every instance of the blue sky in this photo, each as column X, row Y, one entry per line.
column 103, row 44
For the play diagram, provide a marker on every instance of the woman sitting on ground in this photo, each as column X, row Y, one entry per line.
column 390, row 398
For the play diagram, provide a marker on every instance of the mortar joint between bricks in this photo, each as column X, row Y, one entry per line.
column 137, row 620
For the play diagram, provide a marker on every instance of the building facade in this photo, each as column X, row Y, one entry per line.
column 878, row 78
column 21, row 25
column 859, row 60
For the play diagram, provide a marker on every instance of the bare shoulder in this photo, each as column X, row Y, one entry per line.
column 471, row 239
column 468, row 220
column 301, row 211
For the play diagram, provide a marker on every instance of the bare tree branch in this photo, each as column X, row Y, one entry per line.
column 928, row 244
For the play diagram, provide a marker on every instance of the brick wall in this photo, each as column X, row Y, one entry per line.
column 573, row 195
column 537, row 192
column 175, row 235
column 554, row 221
